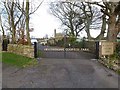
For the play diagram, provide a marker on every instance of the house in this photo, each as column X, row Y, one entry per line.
column 43, row 41
column 51, row 41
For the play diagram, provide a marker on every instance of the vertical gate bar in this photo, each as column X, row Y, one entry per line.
column 97, row 50
column 65, row 46
column 35, row 50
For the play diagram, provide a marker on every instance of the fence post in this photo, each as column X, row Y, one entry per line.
column 4, row 45
column 35, row 49
column 97, row 50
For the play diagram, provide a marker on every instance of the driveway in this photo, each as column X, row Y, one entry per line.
column 60, row 73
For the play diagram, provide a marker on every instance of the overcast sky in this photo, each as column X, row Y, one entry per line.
column 43, row 22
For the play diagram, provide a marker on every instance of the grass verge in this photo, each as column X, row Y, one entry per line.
column 17, row 60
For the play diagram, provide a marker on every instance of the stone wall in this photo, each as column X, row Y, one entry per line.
column 24, row 50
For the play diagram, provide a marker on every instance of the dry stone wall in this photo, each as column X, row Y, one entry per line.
column 24, row 50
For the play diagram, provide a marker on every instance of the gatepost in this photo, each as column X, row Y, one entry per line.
column 5, row 44
column 107, row 49
column 35, row 50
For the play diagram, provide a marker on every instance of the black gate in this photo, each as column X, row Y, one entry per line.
column 97, row 50
column 62, row 53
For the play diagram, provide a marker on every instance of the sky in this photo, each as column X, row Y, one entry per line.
column 43, row 22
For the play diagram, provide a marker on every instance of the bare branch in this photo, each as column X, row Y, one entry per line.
column 36, row 8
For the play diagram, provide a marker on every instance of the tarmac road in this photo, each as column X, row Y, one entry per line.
column 60, row 73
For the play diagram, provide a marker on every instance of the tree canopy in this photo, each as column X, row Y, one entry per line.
column 78, row 16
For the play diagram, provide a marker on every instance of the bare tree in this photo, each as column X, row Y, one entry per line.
column 17, row 13
column 111, row 10
column 69, row 15
column 27, row 14
column 21, row 28
column 14, row 17
column 2, row 29
column 27, row 22
column 92, row 17
column 88, row 16
column 103, row 28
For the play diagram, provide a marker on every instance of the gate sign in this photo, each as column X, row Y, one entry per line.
column 107, row 48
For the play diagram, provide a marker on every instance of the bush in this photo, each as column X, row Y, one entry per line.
column 116, row 55
column 118, row 48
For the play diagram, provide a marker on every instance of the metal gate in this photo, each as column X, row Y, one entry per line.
column 61, row 53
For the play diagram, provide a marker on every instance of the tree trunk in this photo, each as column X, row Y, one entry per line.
column 13, row 32
column 27, row 22
column 3, row 32
column 71, row 27
column 101, row 35
column 118, row 26
column 12, row 24
column 88, row 34
column 112, row 29
column 88, row 29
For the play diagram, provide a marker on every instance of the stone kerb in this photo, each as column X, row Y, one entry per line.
column 20, row 49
